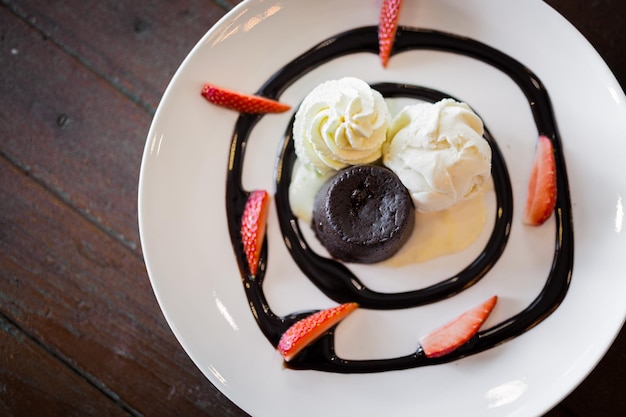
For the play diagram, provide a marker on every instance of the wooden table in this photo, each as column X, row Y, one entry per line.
column 80, row 330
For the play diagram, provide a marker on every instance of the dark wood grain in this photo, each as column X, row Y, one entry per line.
column 136, row 46
column 25, row 389
column 80, row 330
column 86, row 299
column 83, row 151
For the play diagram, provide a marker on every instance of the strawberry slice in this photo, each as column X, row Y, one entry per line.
column 306, row 331
column 387, row 27
column 240, row 102
column 542, row 184
column 253, row 224
column 453, row 335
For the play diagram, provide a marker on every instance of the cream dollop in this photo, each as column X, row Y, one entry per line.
column 340, row 123
column 439, row 153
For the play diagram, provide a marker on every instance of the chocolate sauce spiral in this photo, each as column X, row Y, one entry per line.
column 336, row 280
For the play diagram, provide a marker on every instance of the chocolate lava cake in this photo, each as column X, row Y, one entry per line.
column 363, row 214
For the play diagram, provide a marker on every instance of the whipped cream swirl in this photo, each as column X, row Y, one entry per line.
column 439, row 153
column 340, row 123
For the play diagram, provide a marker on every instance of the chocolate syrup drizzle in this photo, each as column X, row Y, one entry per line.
column 333, row 278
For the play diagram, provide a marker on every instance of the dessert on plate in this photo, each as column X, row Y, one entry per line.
column 363, row 214
column 344, row 136
column 439, row 155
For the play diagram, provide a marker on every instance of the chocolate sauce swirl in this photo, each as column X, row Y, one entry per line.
column 335, row 279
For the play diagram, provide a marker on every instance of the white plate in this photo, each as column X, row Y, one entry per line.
column 196, row 279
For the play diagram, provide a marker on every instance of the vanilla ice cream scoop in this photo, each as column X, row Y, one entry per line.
column 340, row 123
column 439, row 153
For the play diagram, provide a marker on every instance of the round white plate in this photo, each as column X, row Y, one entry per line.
column 195, row 277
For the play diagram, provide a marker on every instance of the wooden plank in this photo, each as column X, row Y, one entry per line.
column 71, row 129
column 87, row 298
column 137, row 46
column 33, row 380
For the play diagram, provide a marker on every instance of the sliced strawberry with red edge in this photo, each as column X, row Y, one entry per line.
column 387, row 27
column 243, row 103
column 456, row 333
column 253, row 225
column 304, row 332
column 541, row 198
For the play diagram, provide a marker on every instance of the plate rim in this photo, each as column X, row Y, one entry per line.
column 232, row 14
